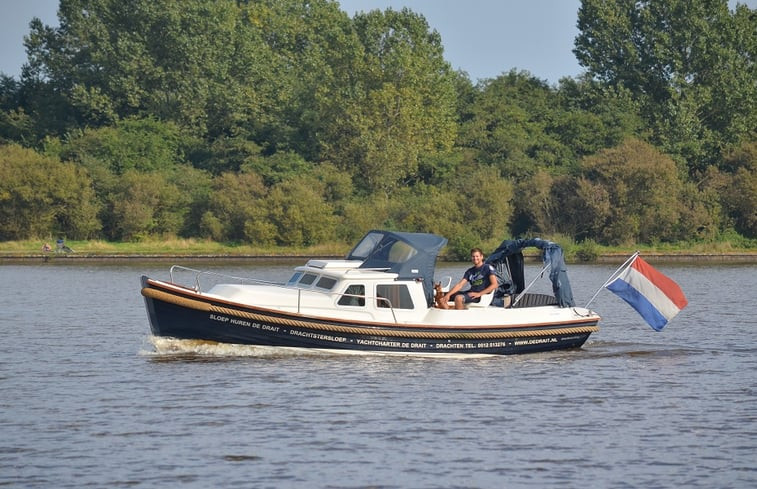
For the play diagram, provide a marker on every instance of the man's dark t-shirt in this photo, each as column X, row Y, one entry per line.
column 478, row 278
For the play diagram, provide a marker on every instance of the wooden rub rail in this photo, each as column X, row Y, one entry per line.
column 296, row 323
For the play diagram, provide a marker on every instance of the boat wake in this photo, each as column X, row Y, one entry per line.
column 187, row 349
column 165, row 348
column 607, row 349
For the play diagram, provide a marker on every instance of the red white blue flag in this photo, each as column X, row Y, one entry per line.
column 655, row 296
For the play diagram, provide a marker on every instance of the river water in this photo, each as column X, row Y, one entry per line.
column 89, row 399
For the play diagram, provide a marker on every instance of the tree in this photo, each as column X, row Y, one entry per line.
column 484, row 200
column 277, row 167
column 403, row 108
column 509, row 126
column 419, row 208
column 354, row 221
column 534, row 209
column 313, row 54
column 16, row 125
column 110, row 60
column 738, row 187
column 594, row 116
column 193, row 188
column 142, row 185
column 690, row 64
column 271, row 71
column 143, row 145
column 581, row 207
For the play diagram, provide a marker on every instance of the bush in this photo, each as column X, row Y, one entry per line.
column 587, row 251
column 41, row 196
column 644, row 192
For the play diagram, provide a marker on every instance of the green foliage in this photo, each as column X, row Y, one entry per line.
column 224, row 154
column 459, row 246
column 312, row 74
column 403, row 107
column 737, row 184
column 143, row 145
column 211, row 227
column 507, row 123
column 193, row 189
column 134, row 204
column 42, row 197
column 361, row 214
column 534, row 211
column 135, row 169
column 594, row 116
column 296, row 208
column 587, row 251
column 15, row 124
column 276, row 168
column 286, row 123
column 237, row 202
column 521, row 125
column 689, row 64
column 484, row 202
column 112, row 60
column 583, row 207
column 336, row 185
column 419, row 209
column 644, row 191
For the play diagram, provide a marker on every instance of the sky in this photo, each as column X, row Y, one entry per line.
column 484, row 38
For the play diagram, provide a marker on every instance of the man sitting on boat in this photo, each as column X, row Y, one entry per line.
column 481, row 277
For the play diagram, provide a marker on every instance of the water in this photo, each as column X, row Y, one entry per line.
column 87, row 401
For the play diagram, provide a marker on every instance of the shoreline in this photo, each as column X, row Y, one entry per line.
column 745, row 257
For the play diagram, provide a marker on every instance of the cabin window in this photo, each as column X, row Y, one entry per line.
column 396, row 296
column 401, row 252
column 391, row 250
column 350, row 296
column 326, row 283
column 364, row 247
column 308, row 279
column 294, row 278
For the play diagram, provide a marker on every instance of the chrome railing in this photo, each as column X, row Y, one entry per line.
column 200, row 273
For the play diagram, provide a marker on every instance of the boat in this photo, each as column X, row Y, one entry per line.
column 380, row 298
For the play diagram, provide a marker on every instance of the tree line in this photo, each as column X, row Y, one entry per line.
column 288, row 123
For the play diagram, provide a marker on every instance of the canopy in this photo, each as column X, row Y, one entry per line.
column 409, row 255
column 508, row 260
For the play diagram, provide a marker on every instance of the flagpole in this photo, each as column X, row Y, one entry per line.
column 615, row 274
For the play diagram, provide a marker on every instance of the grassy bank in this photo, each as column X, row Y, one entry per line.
column 168, row 247
column 582, row 252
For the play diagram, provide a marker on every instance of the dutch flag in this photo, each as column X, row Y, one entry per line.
column 656, row 297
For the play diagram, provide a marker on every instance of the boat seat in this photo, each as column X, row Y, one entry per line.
column 485, row 301
column 446, row 286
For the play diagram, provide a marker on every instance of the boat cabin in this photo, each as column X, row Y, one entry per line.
column 351, row 286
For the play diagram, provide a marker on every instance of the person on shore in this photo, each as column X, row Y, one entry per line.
column 481, row 277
